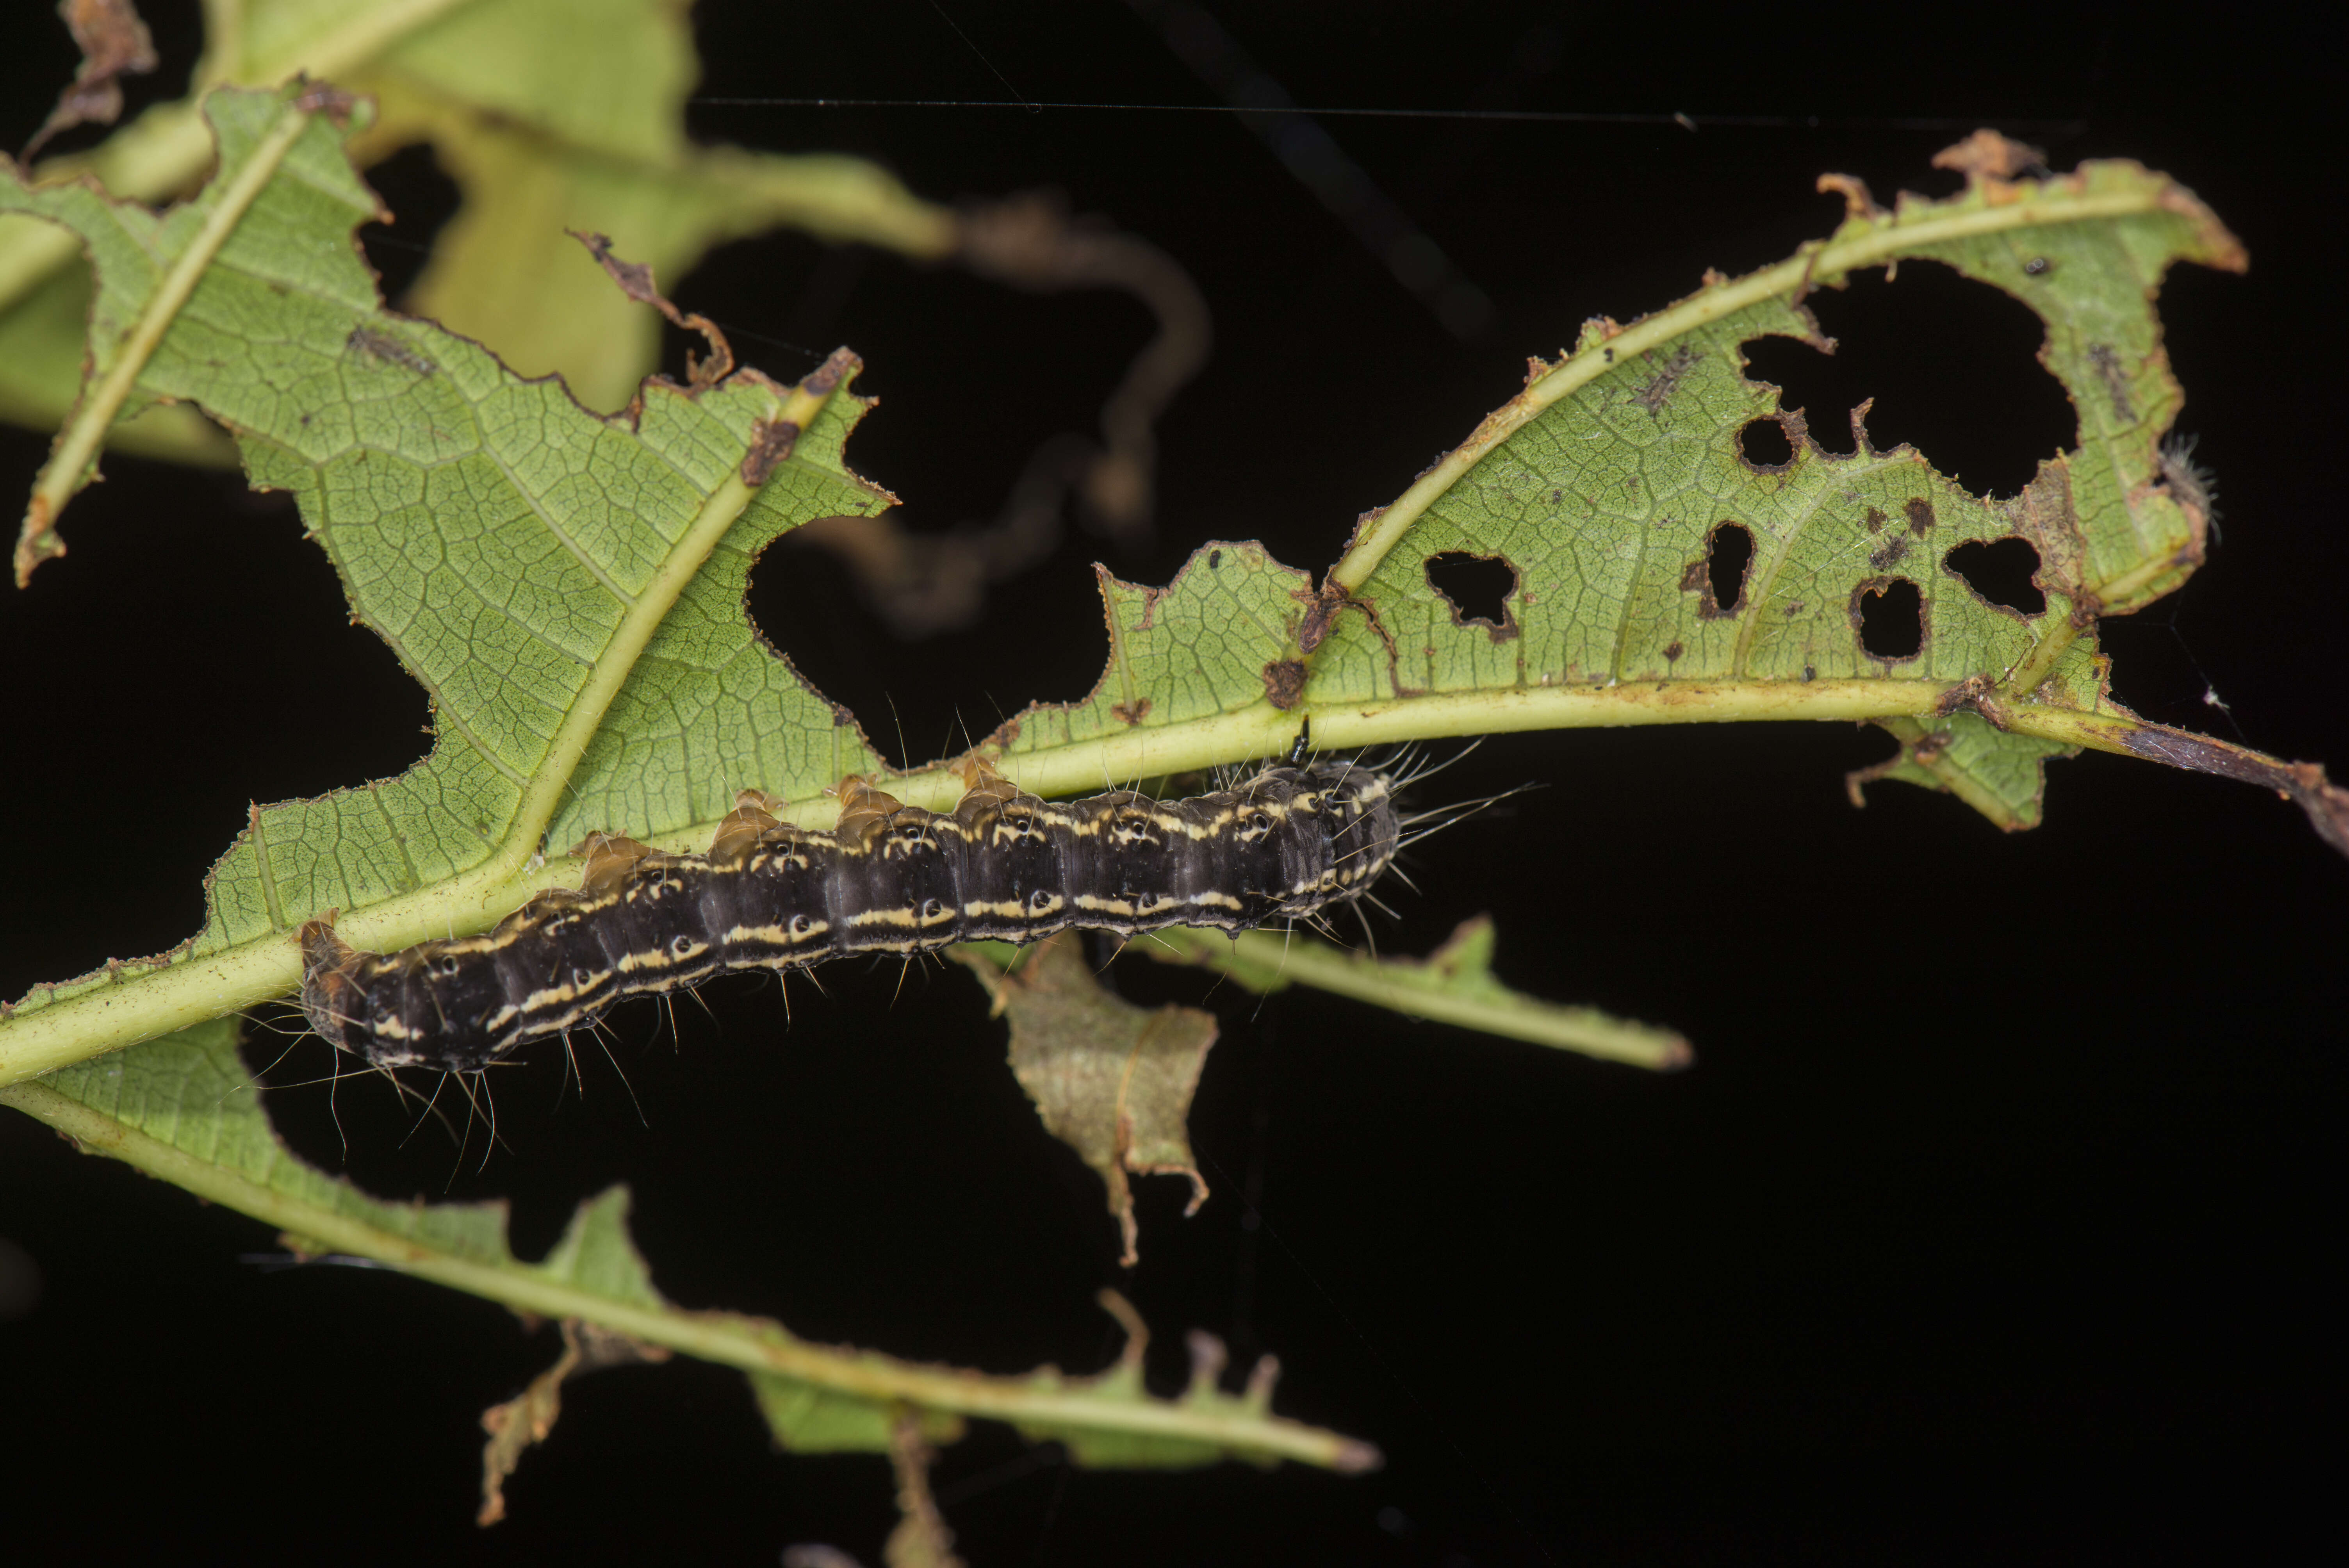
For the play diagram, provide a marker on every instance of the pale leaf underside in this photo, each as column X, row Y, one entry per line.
column 568, row 588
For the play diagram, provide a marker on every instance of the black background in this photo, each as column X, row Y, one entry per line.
column 1995, row 1223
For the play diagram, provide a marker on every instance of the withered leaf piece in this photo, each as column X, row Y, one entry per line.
column 1112, row 1080
column 114, row 44
column 524, row 1420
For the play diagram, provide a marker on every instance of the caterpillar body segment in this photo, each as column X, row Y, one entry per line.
column 888, row 878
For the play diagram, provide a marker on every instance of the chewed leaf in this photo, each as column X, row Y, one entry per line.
column 809, row 1419
column 1651, row 542
column 184, row 1109
column 1454, row 983
column 1204, row 1397
column 547, row 114
column 566, row 585
column 1112, row 1080
column 175, row 290
column 522, row 1422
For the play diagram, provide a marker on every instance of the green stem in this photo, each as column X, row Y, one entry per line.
column 721, row 1338
column 156, row 1001
column 1265, row 960
column 77, row 443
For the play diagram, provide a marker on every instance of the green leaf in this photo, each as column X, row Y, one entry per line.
column 555, row 115
column 172, row 290
column 1112, row 1080
column 1097, row 1445
column 543, row 569
column 569, row 587
column 1601, row 485
column 807, row 1418
column 41, row 347
column 549, row 114
column 184, row 1109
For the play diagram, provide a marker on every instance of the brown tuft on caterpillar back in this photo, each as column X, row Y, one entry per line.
column 327, row 965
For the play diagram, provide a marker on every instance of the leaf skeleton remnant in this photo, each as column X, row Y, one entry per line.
column 187, row 1109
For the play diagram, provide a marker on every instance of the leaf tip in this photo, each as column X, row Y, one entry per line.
column 1986, row 158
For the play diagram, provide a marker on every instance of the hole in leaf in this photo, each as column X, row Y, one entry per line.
column 1890, row 615
column 917, row 700
column 1765, row 446
column 1935, row 350
column 2000, row 570
column 422, row 197
column 1728, row 557
column 1477, row 587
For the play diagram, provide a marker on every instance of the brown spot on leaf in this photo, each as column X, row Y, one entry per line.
column 1856, row 201
column 1975, row 694
column 1920, row 513
column 1324, row 605
column 1860, row 444
column 827, row 377
column 2116, row 379
column 383, row 345
column 1988, row 157
column 635, row 281
column 327, row 99
column 1890, row 553
column 1875, row 519
column 1130, row 712
column 770, row 444
column 1283, row 683
column 1672, row 651
column 1658, row 390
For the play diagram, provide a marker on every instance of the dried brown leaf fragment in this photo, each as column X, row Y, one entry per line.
column 114, row 44
column 1112, row 1080
column 524, row 1420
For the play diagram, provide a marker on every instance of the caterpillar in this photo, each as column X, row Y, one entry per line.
column 889, row 878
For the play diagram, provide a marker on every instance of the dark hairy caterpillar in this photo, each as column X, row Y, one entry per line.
column 890, row 878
